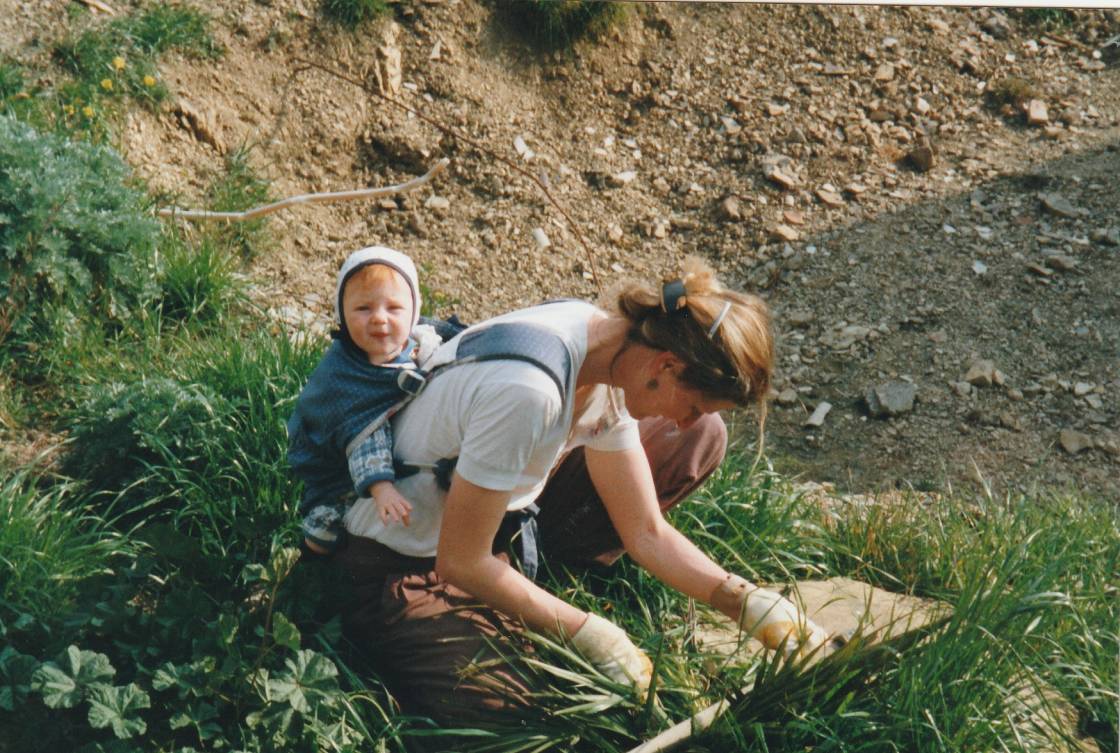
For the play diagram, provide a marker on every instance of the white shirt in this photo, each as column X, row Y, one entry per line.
column 505, row 421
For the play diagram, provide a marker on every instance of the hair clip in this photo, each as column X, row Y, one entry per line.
column 671, row 294
column 719, row 319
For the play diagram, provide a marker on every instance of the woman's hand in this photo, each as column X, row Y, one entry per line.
column 611, row 650
column 768, row 616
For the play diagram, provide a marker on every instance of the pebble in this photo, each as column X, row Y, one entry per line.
column 779, row 169
column 793, row 217
column 1009, row 421
column 541, row 238
column 921, row 157
column 729, row 209
column 884, row 72
column 997, row 26
column 623, row 178
column 1081, row 389
column 1061, row 262
column 438, row 203
column 830, row 198
column 890, row 399
column 802, row 318
column 921, row 106
column 845, row 337
column 1037, row 113
column 730, row 125
column 787, row 397
column 785, row 233
column 1107, row 237
column 1074, row 442
column 1059, row 205
column 983, row 373
column 819, row 413
column 962, row 389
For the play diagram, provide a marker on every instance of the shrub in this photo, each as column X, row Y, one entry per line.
column 555, row 24
column 75, row 238
column 353, row 13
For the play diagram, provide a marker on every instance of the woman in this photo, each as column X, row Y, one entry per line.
column 428, row 596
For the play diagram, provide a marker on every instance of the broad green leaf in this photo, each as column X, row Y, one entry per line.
column 276, row 720
column 16, row 671
column 63, row 686
column 311, row 679
column 200, row 716
column 118, row 707
column 284, row 632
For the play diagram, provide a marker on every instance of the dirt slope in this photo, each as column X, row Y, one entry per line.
column 657, row 141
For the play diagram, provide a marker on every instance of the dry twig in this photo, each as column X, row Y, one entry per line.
column 98, row 5
column 307, row 198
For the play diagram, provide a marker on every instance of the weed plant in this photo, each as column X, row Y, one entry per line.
column 353, row 13
column 554, row 25
column 237, row 188
column 118, row 58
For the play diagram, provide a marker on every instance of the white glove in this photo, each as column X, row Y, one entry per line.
column 767, row 616
column 611, row 650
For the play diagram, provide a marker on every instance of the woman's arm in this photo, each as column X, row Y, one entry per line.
column 471, row 517
column 624, row 483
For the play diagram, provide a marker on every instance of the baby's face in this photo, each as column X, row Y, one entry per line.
column 377, row 308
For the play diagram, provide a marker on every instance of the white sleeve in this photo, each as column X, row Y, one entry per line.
column 622, row 436
column 506, row 423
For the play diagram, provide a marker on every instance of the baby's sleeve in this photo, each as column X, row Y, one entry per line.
column 372, row 460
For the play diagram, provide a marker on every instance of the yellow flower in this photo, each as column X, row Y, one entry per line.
column 118, row 63
column 87, row 111
column 69, row 109
column 107, row 84
column 149, row 81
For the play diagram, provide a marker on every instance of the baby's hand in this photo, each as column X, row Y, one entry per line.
column 391, row 506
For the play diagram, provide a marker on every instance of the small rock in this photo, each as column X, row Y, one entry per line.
column 1074, row 442
column 729, row 209
column 963, row 389
column 830, row 198
column 921, row 157
column 785, row 233
column 890, row 399
column 1081, row 389
column 523, row 149
column 1058, row 205
column 979, row 267
column 1107, row 237
column 730, row 125
column 787, row 397
column 981, row 374
column 884, row 72
column 621, row 179
column 387, row 205
column 800, row 318
column 1009, row 421
column 997, row 25
column 1037, row 113
column 1061, row 262
column 939, row 336
column 843, row 338
column 541, row 238
column 921, row 106
column 779, row 169
column 438, row 203
column 793, row 217
column 817, row 418
column 1014, row 394
column 1053, row 132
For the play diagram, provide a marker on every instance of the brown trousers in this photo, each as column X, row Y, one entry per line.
column 433, row 644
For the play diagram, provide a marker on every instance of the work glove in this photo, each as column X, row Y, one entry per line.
column 613, row 653
column 768, row 617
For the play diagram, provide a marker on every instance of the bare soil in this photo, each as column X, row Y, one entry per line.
column 656, row 139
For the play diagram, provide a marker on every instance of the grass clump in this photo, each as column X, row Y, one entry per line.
column 77, row 241
column 558, row 24
column 353, row 13
column 118, row 58
column 1048, row 18
column 237, row 188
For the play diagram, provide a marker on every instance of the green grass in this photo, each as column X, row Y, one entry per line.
column 553, row 25
column 237, row 188
column 352, row 13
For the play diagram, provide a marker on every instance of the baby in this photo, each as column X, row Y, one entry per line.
column 330, row 448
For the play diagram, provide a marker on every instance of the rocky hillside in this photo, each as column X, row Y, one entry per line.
column 926, row 196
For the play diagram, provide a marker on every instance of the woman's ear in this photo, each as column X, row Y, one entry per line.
column 667, row 361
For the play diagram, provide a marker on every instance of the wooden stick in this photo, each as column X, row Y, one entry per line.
column 682, row 731
column 307, row 198
column 98, row 5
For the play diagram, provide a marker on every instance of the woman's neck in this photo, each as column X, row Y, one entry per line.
column 606, row 340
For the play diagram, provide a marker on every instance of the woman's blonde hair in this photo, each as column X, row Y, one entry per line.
column 729, row 359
